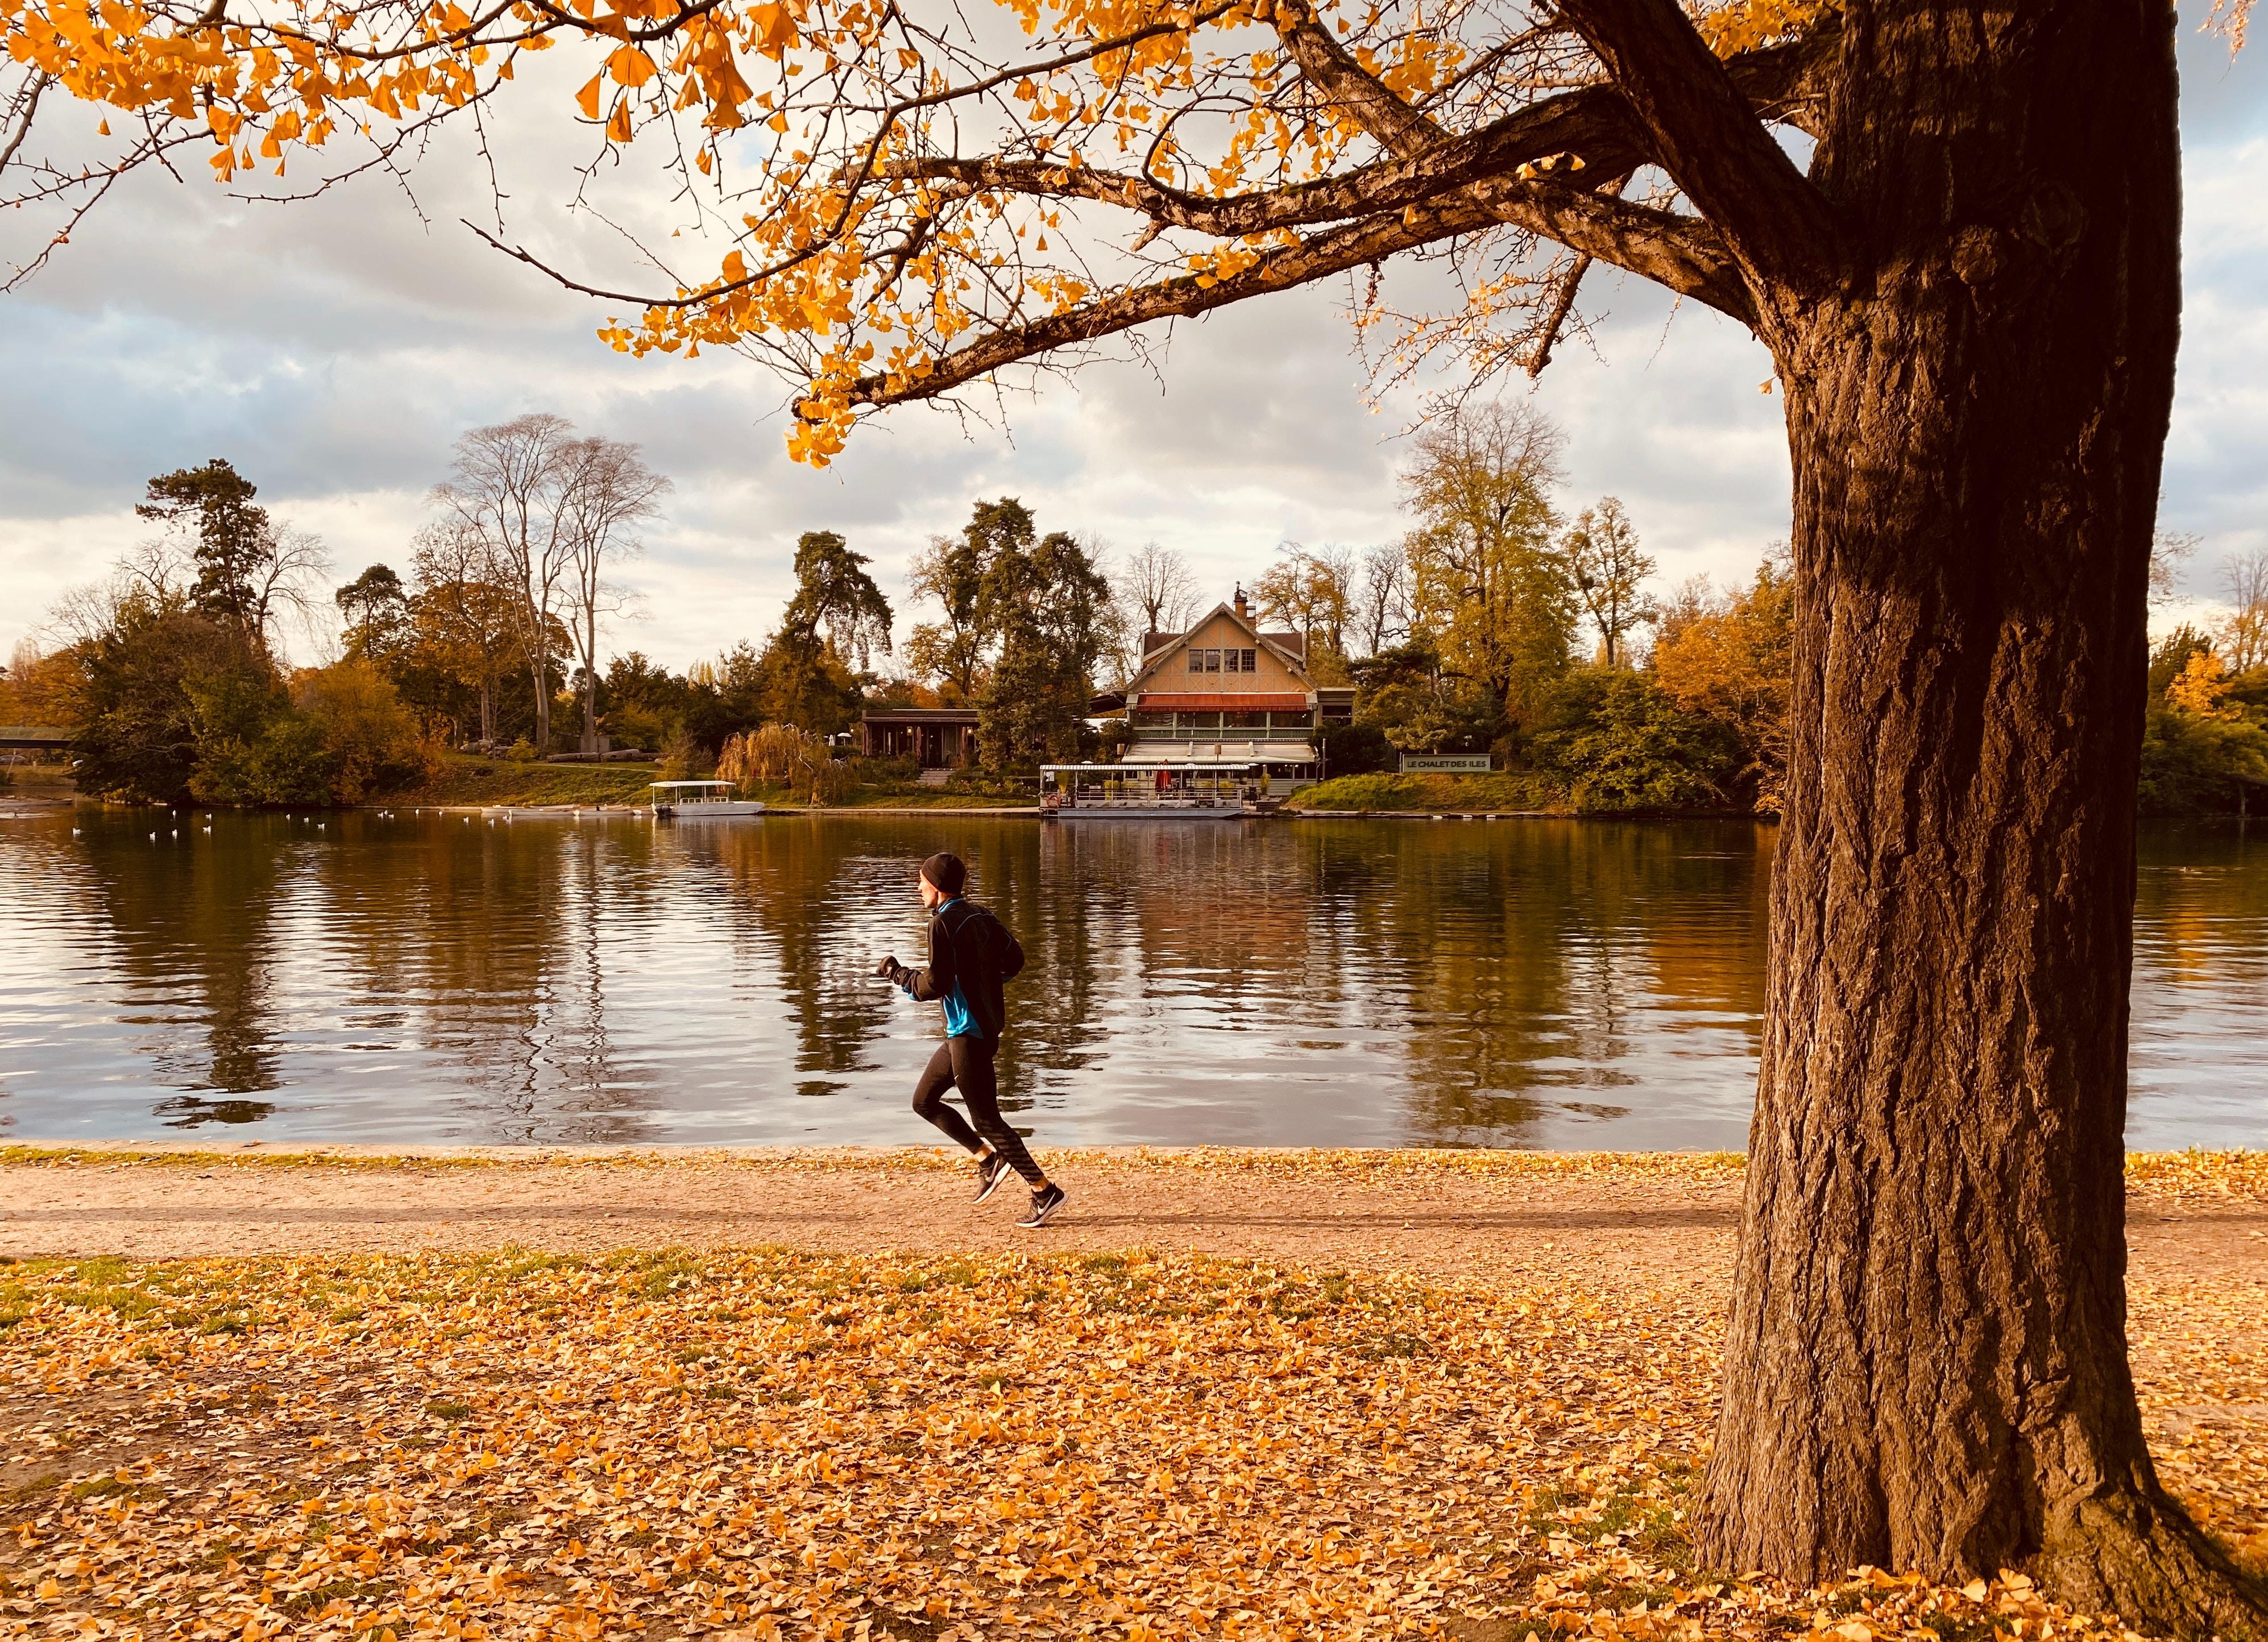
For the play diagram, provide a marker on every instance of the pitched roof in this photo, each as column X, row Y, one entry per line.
column 1153, row 642
column 1290, row 648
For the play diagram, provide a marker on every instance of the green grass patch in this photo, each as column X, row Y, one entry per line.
column 463, row 778
column 1514, row 789
column 305, row 1604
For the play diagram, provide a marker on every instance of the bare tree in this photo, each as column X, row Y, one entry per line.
column 606, row 492
column 1159, row 590
column 508, row 484
column 2169, row 551
column 2244, row 636
column 288, row 579
column 1610, row 574
column 1381, row 598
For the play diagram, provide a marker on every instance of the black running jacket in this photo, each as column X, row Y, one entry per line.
column 969, row 945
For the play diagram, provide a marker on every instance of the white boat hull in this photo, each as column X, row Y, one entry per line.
column 1150, row 812
column 726, row 811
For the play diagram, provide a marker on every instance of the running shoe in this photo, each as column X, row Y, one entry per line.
column 990, row 1171
column 1045, row 1204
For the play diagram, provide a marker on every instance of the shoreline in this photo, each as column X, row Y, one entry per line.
column 1032, row 811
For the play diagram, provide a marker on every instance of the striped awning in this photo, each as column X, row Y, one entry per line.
column 1219, row 701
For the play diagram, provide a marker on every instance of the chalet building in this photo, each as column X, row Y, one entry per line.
column 938, row 737
column 1226, row 691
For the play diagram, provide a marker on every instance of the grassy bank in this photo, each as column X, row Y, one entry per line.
column 1518, row 793
column 469, row 780
column 463, row 779
column 1521, row 791
column 38, row 784
column 891, row 795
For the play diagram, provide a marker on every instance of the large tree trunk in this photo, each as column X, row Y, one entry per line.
column 1927, row 1366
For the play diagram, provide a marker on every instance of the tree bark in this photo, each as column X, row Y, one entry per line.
column 1927, row 1366
column 538, row 673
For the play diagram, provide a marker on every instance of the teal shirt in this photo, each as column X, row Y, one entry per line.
column 959, row 1023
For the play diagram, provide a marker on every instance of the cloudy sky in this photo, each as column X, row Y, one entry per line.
column 333, row 350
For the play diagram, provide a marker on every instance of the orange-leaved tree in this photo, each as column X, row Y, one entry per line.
column 1954, row 227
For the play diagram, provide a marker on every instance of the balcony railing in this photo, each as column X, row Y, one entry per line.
column 1216, row 726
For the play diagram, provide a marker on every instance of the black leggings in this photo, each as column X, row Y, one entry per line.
column 966, row 1062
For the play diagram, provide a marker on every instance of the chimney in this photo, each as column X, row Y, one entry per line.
column 1242, row 614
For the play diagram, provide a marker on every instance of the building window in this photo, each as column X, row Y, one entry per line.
column 1244, row 720
column 1153, row 719
column 1244, row 661
column 1199, row 723
column 1292, row 720
column 1196, row 661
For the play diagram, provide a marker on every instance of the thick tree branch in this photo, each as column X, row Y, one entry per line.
column 1678, row 251
column 1563, row 303
column 1593, row 126
column 1313, row 259
column 1562, row 306
column 1392, row 123
column 1682, row 252
column 1706, row 136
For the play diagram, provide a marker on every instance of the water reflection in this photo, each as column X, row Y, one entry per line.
column 1335, row 983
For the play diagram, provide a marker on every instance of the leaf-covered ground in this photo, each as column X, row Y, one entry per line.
column 780, row 1444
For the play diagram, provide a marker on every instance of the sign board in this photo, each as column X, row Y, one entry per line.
column 1446, row 764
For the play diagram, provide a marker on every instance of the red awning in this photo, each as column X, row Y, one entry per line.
column 1170, row 701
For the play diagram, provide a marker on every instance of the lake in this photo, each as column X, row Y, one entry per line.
column 420, row 978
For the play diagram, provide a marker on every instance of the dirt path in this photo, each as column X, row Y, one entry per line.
column 1664, row 1224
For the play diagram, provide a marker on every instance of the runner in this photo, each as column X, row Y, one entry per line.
column 970, row 954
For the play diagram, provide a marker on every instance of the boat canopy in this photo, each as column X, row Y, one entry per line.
column 677, row 787
column 1151, row 766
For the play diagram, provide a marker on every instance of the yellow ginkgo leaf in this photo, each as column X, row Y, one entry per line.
column 629, row 66
column 775, row 29
column 587, row 98
column 618, row 127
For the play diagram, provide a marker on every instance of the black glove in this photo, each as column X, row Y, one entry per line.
column 888, row 967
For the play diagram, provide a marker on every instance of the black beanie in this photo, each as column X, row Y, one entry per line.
column 947, row 872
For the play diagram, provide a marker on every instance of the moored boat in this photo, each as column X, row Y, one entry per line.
column 700, row 800
column 1189, row 789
